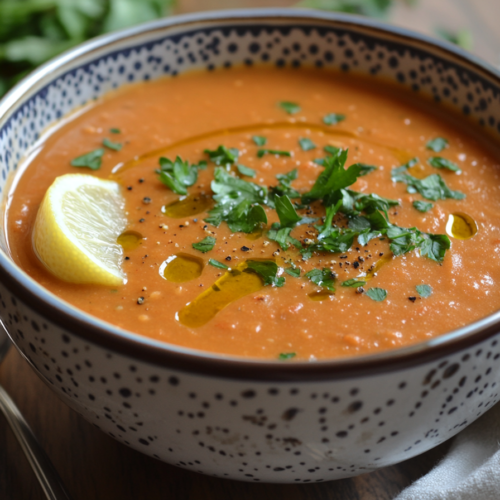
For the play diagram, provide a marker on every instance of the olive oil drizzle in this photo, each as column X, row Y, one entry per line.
column 461, row 226
column 182, row 267
column 401, row 155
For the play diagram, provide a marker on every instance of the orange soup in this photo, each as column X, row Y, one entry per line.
column 280, row 214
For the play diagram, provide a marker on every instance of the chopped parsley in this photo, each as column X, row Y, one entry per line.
column 116, row 146
column 422, row 206
column 284, row 185
column 287, row 355
column 90, row 160
column 277, row 152
column 222, row 155
column 432, row 187
column 437, row 145
column 377, row 294
column 268, row 271
column 205, row 245
column 333, row 118
column 217, row 264
column 293, row 271
column 306, row 144
column 440, row 162
column 178, row 175
column 290, row 107
column 249, row 172
column 353, row 283
column 365, row 168
column 115, row 131
column 286, row 213
column 323, row 278
column 259, row 140
column 424, row 290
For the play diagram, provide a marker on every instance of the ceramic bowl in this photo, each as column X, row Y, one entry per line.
column 224, row 416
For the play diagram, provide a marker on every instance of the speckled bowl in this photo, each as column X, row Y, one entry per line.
column 240, row 418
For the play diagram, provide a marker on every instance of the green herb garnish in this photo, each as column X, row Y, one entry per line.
column 115, row 131
column 249, row 172
column 116, row 146
column 222, row 155
column 262, row 152
column 259, row 140
column 333, row 118
column 306, row 144
column 217, row 264
column 439, row 162
column 287, row 355
column 90, row 160
column 422, row 206
column 268, row 271
column 290, row 107
column 437, row 145
column 365, row 168
column 178, row 174
column 424, row 290
column 377, row 294
column 293, row 271
column 353, row 283
column 286, row 213
column 323, row 278
column 205, row 245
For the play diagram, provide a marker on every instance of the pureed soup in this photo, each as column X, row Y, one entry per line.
column 280, row 214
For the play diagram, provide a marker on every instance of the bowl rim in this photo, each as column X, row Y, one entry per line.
column 115, row 339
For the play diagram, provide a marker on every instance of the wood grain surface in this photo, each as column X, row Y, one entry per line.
column 93, row 466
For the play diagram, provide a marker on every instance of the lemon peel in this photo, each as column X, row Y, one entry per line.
column 76, row 229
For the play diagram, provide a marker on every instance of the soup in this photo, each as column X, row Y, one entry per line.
column 280, row 214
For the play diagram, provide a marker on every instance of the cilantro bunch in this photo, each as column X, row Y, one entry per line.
column 33, row 31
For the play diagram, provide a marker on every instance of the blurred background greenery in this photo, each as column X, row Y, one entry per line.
column 33, row 31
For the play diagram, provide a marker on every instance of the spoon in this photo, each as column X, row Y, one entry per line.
column 40, row 463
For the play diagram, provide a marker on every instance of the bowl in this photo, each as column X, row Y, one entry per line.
column 232, row 417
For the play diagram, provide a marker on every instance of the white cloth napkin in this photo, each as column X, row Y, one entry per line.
column 471, row 468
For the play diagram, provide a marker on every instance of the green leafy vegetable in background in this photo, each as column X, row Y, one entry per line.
column 33, row 31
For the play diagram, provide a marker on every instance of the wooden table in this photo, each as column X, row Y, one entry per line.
column 95, row 467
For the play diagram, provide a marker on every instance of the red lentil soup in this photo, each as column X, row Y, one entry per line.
column 388, row 237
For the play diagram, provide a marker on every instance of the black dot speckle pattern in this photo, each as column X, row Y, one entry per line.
column 256, row 431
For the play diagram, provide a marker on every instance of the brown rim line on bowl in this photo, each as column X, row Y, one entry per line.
column 52, row 334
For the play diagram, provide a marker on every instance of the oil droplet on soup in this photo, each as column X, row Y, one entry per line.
column 182, row 267
column 321, row 295
column 129, row 240
column 376, row 267
column 461, row 226
column 233, row 285
column 186, row 206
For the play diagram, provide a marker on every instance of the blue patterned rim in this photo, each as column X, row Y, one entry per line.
column 470, row 71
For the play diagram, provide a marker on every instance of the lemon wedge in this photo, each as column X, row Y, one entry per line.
column 76, row 228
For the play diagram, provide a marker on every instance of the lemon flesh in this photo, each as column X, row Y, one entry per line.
column 76, row 228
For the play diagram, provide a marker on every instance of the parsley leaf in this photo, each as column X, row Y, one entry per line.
column 439, row 162
column 306, row 144
column 286, row 213
column 90, row 160
column 437, row 145
column 249, row 172
column 116, row 146
column 178, row 174
column 424, row 290
column 324, row 278
column 353, row 283
column 262, row 152
column 284, row 186
column 268, row 271
column 432, row 187
column 217, row 264
column 333, row 118
column 115, row 130
column 293, row 271
column 333, row 178
column 222, row 155
column 205, row 245
column 238, row 202
column 290, row 107
column 287, row 355
column 434, row 246
column 377, row 294
column 422, row 206
column 259, row 140
column 365, row 168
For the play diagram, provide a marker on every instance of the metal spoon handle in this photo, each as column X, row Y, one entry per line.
column 40, row 463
